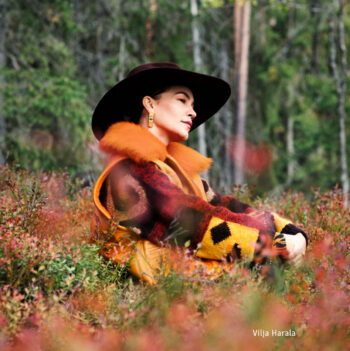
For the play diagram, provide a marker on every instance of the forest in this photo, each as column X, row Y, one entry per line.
column 59, row 57
column 281, row 142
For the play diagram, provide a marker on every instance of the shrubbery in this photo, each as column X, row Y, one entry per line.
column 56, row 292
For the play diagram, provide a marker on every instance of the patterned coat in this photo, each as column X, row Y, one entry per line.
column 154, row 194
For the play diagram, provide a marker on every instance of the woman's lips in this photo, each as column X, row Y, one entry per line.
column 188, row 123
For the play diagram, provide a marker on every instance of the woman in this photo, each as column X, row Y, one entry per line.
column 151, row 191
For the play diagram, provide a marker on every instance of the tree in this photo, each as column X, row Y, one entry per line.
column 338, row 65
column 3, row 30
column 241, row 43
column 47, row 117
column 63, row 55
column 149, row 27
column 197, row 59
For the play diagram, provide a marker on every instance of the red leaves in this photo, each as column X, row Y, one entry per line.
column 205, row 314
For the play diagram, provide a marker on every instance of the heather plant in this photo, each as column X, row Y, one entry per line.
column 21, row 202
column 39, row 258
column 79, row 267
column 57, row 292
column 22, row 199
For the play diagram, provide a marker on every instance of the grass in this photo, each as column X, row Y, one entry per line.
column 57, row 293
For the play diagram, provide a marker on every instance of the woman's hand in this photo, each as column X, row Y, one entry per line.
column 296, row 247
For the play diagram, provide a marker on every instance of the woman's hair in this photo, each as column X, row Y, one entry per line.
column 135, row 112
column 156, row 93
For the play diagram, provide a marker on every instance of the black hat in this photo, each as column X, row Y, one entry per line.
column 124, row 100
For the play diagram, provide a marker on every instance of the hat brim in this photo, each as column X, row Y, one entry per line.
column 210, row 94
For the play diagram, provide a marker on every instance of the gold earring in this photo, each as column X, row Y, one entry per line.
column 150, row 119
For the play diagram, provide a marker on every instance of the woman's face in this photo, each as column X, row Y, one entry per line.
column 173, row 114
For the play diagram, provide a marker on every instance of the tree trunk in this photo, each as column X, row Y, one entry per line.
column 315, row 16
column 262, row 25
column 226, row 179
column 290, row 98
column 237, row 18
column 341, row 102
column 337, row 40
column 290, row 149
column 242, row 38
column 149, row 28
column 2, row 65
column 197, row 59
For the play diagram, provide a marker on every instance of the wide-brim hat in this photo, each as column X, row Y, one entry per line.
column 124, row 100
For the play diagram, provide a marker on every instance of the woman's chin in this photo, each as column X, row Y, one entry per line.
column 180, row 137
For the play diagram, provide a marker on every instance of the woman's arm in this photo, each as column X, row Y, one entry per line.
column 159, row 202
column 295, row 239
column 217, row 229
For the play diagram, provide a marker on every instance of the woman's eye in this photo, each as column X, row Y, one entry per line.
column 182, row 100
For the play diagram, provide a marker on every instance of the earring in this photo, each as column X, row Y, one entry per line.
column 150, row 119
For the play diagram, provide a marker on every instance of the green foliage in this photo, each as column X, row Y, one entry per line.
column 45, row 106
column 31, row 261
column 61, row 57
column 57, row 133
column 292, row 72
column 56, row 286
column 74, row 267
column 27, row 199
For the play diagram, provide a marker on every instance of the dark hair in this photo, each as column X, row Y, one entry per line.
column 156, row 93
column 134, row 114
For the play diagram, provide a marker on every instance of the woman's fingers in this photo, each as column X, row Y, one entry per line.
column 296, row 247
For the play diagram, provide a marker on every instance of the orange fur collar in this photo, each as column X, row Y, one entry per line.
column 135, row 142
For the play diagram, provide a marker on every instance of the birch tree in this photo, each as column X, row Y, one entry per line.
column 226, row 179
column 290, row 119
column 338, row 65
column 2, row 66
column 241, row 45
column 197, row 59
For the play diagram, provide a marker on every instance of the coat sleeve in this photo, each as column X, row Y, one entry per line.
column 282, row 225
column 214, row 231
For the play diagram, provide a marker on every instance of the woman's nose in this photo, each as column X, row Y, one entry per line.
column 192, row 113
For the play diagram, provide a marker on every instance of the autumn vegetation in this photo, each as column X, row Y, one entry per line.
column 58, row 57
column 58, row 293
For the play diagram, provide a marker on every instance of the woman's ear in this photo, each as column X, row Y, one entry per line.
column 148, row 103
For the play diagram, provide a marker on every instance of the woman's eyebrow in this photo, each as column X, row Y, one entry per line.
column 186, row 94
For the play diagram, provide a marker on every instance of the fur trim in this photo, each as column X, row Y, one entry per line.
column 189, row 159
column 135, row 142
